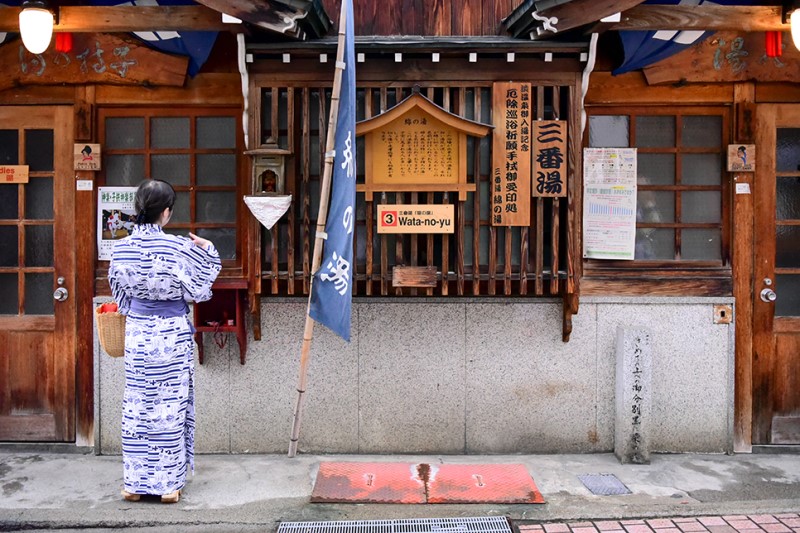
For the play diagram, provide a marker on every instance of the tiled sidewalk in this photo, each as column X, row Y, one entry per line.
column 778, row 523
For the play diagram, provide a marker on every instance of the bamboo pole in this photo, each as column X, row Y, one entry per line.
column 325, row 190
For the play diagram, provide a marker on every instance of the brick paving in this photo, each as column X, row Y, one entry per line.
column 778, row 523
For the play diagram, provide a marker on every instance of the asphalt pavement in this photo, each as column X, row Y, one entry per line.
column 78, row 492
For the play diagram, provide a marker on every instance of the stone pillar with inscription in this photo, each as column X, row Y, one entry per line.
column 634, row 394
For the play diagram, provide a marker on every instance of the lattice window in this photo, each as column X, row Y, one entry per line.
column 477, row 259
column 683, row 200
column 196, row 150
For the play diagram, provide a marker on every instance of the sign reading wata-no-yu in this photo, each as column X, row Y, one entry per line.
column 415, row 218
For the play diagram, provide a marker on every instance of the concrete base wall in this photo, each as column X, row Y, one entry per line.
column 455, row 376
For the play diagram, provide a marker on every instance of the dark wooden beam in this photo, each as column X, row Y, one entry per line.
column 417, row 44
column 705, row 17
column 267, row 14
column 581, row 12
column 112, row 19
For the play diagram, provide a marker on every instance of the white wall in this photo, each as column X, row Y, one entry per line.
column 455, row 376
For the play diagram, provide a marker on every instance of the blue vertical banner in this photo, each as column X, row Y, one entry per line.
column 332, row 287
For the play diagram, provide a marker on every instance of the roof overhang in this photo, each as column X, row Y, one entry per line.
column 545, row 19
column 422, row 44
column 293, row 19
column 542, row 18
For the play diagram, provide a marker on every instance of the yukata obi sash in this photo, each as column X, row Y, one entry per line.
column 162, row 308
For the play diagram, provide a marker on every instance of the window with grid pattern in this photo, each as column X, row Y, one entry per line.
column 477, row 259
column 196, row 151
column 682, row 196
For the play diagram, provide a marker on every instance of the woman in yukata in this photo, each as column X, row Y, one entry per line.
column 152, row 275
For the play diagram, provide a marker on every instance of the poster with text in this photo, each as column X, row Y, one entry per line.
column 116, row 217
column 609, row 203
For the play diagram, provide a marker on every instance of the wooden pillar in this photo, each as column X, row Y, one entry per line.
column 85, row 254
column 742, row 267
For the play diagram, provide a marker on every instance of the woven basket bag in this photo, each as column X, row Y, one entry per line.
column 111, row 330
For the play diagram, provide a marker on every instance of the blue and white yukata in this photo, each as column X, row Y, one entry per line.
column 151, row 270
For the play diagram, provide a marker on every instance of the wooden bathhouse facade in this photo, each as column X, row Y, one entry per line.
column 588, row 185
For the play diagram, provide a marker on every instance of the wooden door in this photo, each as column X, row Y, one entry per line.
column 37, row 241
column 776, row 310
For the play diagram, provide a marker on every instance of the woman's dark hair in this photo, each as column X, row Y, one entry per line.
column 152, row 197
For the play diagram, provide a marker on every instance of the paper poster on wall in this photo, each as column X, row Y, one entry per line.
column 741, row 157
column 87, row 157
column 116, row 217
column 609, row 203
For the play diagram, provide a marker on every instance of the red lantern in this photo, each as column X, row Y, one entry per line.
column 64, row 42
column 774, row 43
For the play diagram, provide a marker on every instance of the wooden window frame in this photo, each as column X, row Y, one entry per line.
column 678, row 276
column 231, row 268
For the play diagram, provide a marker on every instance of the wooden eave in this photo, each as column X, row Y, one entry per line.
column 417, row 100
column 306, row 18
column 540, row 19
column 637, row 16
column 116, row 19
column 705, row 17
column 299, row 19
column 423, row 44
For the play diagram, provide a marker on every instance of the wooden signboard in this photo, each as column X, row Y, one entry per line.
column 550, row 158
column 511, row 154
column 95, row 58
column 417, row 146
column 416, row 218
column 414, row 276
column 14, row 174
column 728, row 57
column 86, row 157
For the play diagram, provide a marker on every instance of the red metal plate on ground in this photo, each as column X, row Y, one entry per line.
column 410, row 483
column 368, row 483
column 498, row 483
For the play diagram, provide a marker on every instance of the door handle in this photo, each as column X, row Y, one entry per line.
column 60, row 294
column 768, row 296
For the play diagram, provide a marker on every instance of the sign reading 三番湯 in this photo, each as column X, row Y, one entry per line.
column 550, row 158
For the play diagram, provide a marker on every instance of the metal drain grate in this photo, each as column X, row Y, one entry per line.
column 488, row 524
column 604, row 484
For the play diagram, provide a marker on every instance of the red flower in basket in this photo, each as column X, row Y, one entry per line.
column 109, row 307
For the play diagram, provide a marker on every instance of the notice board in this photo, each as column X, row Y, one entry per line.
column 609, row 203
column 511, row 154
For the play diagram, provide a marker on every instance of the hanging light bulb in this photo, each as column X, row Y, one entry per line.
column 794, row 20
column 35, row 26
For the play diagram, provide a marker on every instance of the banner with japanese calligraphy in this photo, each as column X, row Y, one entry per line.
column 511, row 154
column 550, row 158
column 116, row 217
column 609, row 203
column 332, row 287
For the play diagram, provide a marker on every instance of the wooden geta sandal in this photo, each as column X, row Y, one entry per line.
column 171, row 498
column 131, row 497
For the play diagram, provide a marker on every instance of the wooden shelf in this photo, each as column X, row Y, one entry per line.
column 227, row 304
column 211, row 329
